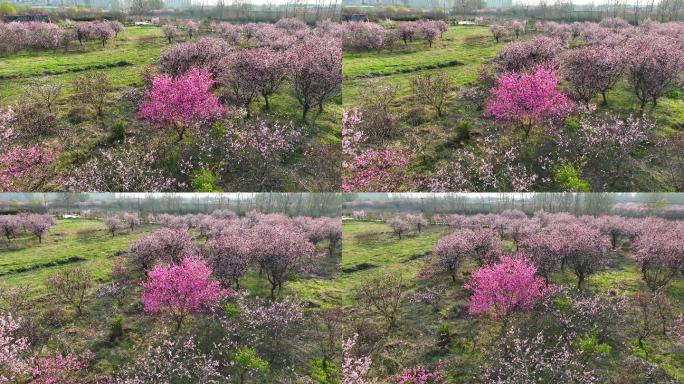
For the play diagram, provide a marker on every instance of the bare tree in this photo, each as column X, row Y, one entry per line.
column 44, row 94
column 382, row 295
column 71, row 287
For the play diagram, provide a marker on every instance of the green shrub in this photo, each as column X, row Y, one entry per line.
column 117, row 131
column 232, row 310
column 218, row 129
column 323, row 372
column 204, row 180
column 589, row 345
column 675, row 94
column 116, row 329
column 444, row 335
column 463, row 130
column 567, row 177
column 247, row 361
column 571, row 124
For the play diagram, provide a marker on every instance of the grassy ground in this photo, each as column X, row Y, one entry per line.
column 465, row 48
column 412, row 342
column 85, row 239
column 460, row 53
column 136, row 47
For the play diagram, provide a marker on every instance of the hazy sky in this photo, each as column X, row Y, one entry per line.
column 534, row 2
column 583, row 2
column 261, row 2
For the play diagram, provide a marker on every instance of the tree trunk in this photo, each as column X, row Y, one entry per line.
column 580, row 282
column 273, row 288
column 643, row 106
column 181, row 133
column 305, row 111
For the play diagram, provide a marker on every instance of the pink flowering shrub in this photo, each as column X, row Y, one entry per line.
column 250, row 73
column 370, row 170
column 659, row 62
column 378, row 170
column 23, row 168
column 679, row 327
column 174, row 359
column 522, row 56
column 354, row 369
column 421, row 375
column 230, row 255
column 12, row 348
column 315, row 71
column 181, row 104
column 166, row 244
column 528, row 99
column 591, row 70
column 205, row 53
column 281, row 251
column 504, row 288
column 270, row 316
column 536, row 359
column 492, row 164
column 61, row 369
column 129, row 167
column 180, row 290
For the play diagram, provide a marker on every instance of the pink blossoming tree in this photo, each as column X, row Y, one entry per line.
column 660, row 253
column 528, row 99
column 164, row 244
column 181, row 104
column 177, row 291
column 229, row 256
column 504, row 288
column 281, row 251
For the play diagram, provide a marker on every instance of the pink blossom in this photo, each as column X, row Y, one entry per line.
column 529, row 99
column 354, row 369
column 60, row 369
column 504, row 288
column 12, row 348
column 180, row 290
column 183, row 103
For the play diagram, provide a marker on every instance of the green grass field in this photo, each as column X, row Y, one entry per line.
column 466, row 47
column 136, row 47
column 460, row 53
column 85, row 239
column 373, row 246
